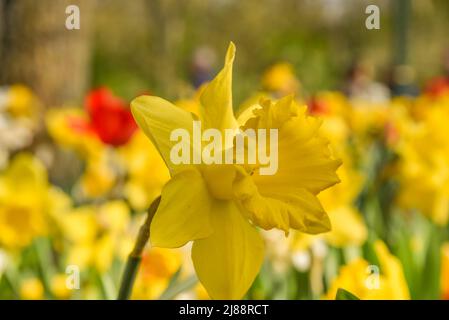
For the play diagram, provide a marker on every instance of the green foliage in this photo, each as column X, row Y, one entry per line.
column 343, row 294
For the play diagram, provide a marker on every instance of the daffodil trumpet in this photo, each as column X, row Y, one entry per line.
column 135, row 257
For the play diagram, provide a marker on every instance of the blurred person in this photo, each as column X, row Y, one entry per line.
column 360, row 84
column 203, row 61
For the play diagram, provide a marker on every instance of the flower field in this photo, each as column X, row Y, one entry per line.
column 373, row 221
column 148, row 196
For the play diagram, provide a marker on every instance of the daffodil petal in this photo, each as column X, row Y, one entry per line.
column 304, row 158
column 228, row 261
column 283, row 209
column 216, row 99
column 184, row 212
column 158, row 118
column 247, row 114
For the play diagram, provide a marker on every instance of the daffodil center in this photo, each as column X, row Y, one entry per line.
column 219, row 179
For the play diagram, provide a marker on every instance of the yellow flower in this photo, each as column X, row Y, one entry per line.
column 333, row 104
column 21, row 101
column 96, row 234
column 348, row 226
column 359, row 278
column 217, row 206
column 27, row 202
column 31, row 289
column 424, row 166
column 368, row 120
column 280, row 78
column 62, row 125
column 157, row 268
column 67, row 127
column 59, row 286
column 98, row 178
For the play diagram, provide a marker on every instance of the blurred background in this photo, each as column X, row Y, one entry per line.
column 160, row 45
column 76, row 174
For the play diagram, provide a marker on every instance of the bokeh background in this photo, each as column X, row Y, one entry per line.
column 154, row 45
column 76, row 176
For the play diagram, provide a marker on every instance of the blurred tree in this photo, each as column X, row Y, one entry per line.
column 39, row 51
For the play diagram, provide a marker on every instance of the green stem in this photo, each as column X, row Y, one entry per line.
column 134, row 258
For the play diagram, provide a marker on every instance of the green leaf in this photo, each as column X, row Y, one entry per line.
column 343, row 294
column 430, row 283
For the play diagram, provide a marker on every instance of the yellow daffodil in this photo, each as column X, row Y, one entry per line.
column 348, row 227
column 58, row 286
column 281, row 79
column 96, row 234
column 31, row 289
column 359, row 278
column 368, row 120
column 424, row 166
column 27, row 202
column 218, row 206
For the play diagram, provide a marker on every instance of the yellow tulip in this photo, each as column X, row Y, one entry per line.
column 218, row 206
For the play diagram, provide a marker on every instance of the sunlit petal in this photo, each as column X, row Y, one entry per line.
column 228, row 261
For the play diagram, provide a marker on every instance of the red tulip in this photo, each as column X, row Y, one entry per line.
column 438, row 86
column 318, row 106
column 110, row 117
